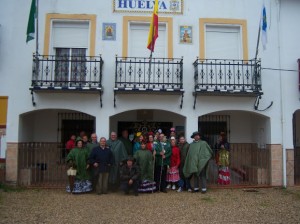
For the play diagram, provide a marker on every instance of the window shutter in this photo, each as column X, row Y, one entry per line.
column 223, row 42
column 138, row 38
column 70, row 34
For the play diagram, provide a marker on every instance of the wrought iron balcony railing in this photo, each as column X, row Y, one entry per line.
column 223, row 76
column 67, row 73
column 140, row 75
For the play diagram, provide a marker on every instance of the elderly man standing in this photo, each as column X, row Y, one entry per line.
column 196, row 163
column 101, row 159
column 184, row 183
column 93, row 143
column 90, row 145
column 120, row 154
column 127, row 143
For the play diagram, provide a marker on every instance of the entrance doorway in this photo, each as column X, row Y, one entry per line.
column 74, row 123
column 146, row 120
column 296, row 141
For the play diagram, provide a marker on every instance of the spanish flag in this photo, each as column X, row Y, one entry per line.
column 153, row 31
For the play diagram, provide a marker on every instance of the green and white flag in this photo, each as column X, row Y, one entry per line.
column 31, row 22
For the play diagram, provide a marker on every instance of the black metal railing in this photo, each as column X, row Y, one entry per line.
column 145, row 74
column 71, row 72
column 231, row 76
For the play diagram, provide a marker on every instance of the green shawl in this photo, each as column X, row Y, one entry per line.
column 79, row 156
column 198, row 156
column 120, row 154
column 144, row 160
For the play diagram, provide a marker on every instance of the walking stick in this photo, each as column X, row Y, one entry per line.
column 161, row 168
column 153, row 166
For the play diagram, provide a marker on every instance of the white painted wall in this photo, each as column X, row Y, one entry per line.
column 289, row 37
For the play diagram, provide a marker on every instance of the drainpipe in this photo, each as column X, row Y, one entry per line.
column 281, row 99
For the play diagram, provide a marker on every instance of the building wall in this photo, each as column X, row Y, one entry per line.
column 289, row 54
column 272, row 126
column 193, row 10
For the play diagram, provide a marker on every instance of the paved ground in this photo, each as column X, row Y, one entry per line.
column 267, row 205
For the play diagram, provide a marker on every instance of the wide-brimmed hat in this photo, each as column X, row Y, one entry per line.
column 195, row 133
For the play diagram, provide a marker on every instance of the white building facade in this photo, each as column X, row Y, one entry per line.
column 93, row 73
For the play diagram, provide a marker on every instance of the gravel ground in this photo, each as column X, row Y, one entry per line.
column 265, row 205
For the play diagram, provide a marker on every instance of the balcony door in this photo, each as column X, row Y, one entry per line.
column 70, row 41
column 223, row 42
column 70, row 66
column 138, row 39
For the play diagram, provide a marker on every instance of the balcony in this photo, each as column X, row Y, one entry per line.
column 66, row 74
column 145, row 75
column 223, row 77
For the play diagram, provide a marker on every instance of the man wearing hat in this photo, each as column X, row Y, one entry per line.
column 196, row 163
column 129, row 176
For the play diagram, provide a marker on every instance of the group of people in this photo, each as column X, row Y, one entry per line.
column 152, row 162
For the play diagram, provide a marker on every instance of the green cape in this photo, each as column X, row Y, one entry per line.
column 79, row 156
column 144, row 160
column 198, row 156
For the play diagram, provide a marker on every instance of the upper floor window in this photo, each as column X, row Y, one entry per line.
column 70, row 31
column 70, row 65
column 70, row 43
column 223, row 42
column 135, row 37
column 138, row 37
column 223, row 39
column 70, row 34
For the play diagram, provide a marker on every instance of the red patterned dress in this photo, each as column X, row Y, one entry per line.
column 173, row 171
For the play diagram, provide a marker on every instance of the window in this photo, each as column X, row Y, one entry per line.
column 138, row 38
column 135, row 37
column 70, row 65
column 223, row 42
column 64, row 25
column 223, row 39
column 70, row 43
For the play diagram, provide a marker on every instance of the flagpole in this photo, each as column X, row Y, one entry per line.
column 37, row 29
column 258, row 38
column 150, row 61
column 152, row 45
